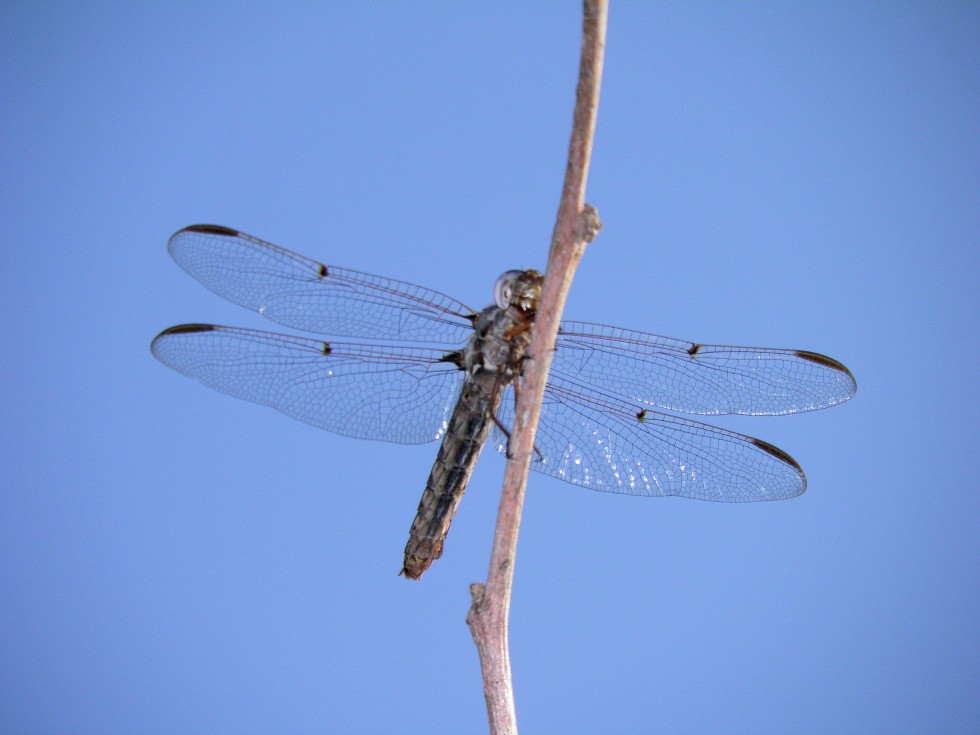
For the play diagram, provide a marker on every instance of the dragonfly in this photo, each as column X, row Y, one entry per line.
column 431, row 368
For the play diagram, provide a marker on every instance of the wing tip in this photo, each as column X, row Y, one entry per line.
column 827, row 362
column 209, row 230
column 155, row 346
column 187, row 329
column 778, row 454
column 180, row 329
column 832, row 364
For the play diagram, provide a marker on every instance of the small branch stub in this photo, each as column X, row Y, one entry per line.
column 590, row 224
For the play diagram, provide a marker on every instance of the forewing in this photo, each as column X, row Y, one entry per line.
column 302, row 293
column 601, row 443
column 696, row 378
column 393, row 394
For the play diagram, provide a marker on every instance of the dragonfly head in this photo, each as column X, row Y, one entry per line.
column 520, row 289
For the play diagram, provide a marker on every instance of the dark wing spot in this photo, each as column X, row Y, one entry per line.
column 323, row 271
column 212, row 230
column 778, row 454
column 642, row 416
column 188, row 329
column 326, row 349
column 822, row 360
column 695, row 348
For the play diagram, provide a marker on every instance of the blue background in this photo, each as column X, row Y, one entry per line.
column 172, row 560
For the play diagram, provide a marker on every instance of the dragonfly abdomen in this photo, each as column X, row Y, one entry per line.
column 458, row 453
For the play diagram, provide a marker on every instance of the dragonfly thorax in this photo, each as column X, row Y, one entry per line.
column 502, row 332
column 499, row 343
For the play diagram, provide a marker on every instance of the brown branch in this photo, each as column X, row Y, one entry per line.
column 575, row 226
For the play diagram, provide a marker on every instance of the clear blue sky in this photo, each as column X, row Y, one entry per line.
column 176, row 561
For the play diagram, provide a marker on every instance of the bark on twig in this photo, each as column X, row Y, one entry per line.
column 575, row 226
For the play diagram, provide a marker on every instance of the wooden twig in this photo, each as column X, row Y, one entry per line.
column 576, row 225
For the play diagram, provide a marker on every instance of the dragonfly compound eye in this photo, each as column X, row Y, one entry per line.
column 503, row 290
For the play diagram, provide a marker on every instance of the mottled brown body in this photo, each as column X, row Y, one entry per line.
column 492, row 359
column 460, row 448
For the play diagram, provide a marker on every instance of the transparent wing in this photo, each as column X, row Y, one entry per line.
column 304, row 294
column 599, row 442
column 695, row 378
column 394, row 394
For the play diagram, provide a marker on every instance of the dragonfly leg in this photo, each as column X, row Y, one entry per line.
column 504, row 430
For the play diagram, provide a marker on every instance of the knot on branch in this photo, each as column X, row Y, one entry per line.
column 589, row 224
column 477, row 591
column 476, row 595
